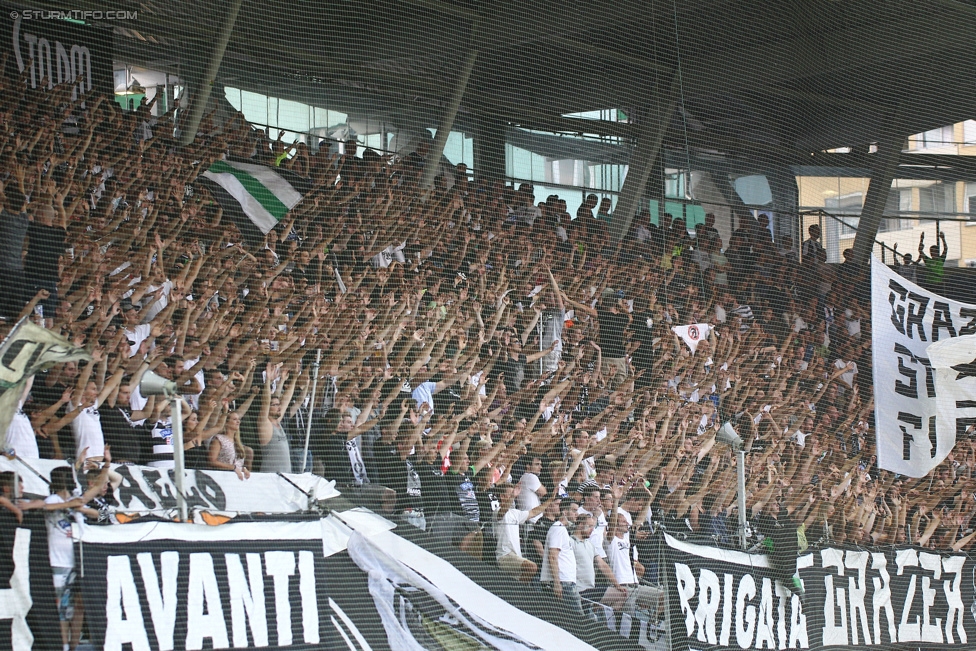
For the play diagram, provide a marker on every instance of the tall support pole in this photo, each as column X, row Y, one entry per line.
column 450, row 113
column 786, row 201
column 653, row 125
column 740, row 467
column 489, row 149
column 311, row 406
column 200, row 95
column 176, row 400
column 889, row 151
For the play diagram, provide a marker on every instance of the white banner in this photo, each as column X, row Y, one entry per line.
column 692, row 334
column 916, row 422
column 954, row 361
column 26, row 350
column 143, row 490
column 393, row 562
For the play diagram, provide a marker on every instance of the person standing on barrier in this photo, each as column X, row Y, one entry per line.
column 63, row 509
column 559, row 563
column 589, row 558
column 626, row 568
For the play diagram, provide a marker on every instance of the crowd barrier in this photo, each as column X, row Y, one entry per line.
column 143, row 490
column 297, row 578
column 342, row 581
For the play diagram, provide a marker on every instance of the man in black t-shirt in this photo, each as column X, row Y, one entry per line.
column 46, row 241
column 613, row 322
column 396, row 469
column 351, row 168
column 457, row 520
column 536, row 546
column 54, row 388
column 124, row 431
column 461, row 491
column 642, row 331
column 612, row 315
column 516, row 360
column 14, row 224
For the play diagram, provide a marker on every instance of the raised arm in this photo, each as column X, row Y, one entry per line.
column 580, row 306
column 540, row 508
column 265, row 429
column 555, row 290
column 289, row 392
column 111, row 385
column 531, row 326
column 534, row 357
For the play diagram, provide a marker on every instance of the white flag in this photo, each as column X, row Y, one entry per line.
column 27, row 350
column 692, row 334
column 919, row 409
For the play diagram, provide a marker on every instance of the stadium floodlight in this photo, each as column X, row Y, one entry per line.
column 152, row 384
column 727, row 435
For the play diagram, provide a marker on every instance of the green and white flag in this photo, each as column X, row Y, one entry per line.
column 263, row 194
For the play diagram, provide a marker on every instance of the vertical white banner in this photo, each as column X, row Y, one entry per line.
column 954, row 362
column 916, row 416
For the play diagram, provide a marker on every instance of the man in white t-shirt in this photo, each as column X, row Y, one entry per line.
column 526, row 212
column 135, row 332
column 20, row 432
column 589, row 559
column 531, row 490
column 85, row 422
column 622, row 558
column 60, row 546
column 194, row 388
column 508, row 521
column 559, row 561
column 162, row 293
column 850, row 370
column 592, row 506
column 581, row 441
column 387, row 256
column 86, row 426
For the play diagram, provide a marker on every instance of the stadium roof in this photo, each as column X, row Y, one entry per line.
column 792, row 77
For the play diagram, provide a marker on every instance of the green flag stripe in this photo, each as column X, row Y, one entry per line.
column 261, row 194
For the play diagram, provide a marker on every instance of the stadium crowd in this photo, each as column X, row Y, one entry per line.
column 493, row 369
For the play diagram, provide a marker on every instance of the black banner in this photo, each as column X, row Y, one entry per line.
column 178, row 594
column 154, row 586
column 52, row 51
column 27, row 602
column 902, row 598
